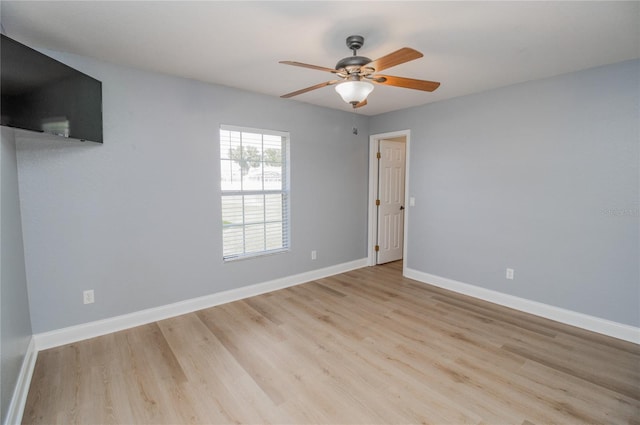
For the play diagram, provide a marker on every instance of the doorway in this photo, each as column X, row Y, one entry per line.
column 388, row 218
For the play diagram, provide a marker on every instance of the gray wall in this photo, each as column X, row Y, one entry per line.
column 14, row 303
column 138, row 218
column 542, row 177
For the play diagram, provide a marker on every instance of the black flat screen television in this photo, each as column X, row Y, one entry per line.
column 42, row 94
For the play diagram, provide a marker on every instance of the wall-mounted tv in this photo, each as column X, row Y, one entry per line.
column 41, row 94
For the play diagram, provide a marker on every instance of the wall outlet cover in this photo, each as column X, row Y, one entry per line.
column 88, row 297
column 509, row 274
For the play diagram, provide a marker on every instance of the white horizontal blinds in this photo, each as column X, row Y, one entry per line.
column 255, row 191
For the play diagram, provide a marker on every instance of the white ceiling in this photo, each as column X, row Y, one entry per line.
column 468, row 46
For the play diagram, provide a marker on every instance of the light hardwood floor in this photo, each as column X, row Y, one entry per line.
column 368, row 346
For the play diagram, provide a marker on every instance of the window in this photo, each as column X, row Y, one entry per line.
column 254, row 178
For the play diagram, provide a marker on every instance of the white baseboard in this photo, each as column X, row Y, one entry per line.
column 584, row 321
column 21, row 390
column 113, row 324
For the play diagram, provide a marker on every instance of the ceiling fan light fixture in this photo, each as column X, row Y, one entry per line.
column 354, row 92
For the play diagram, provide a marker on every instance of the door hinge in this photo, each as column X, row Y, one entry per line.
column 378, row 202
column 378, row 155
column 377, row 248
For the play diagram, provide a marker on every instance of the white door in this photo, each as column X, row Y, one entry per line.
column 391, row 165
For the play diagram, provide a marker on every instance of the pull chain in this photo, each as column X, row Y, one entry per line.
column 353, row 126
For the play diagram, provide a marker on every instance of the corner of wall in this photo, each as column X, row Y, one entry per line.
column 16, row 339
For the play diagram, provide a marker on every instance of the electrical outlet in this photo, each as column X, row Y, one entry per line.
column 88, row 297
column 314, row 254
column 509, row 274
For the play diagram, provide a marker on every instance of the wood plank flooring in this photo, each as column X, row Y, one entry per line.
column 368, row 346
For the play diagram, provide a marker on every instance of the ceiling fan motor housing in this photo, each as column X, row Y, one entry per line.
column 352, row 61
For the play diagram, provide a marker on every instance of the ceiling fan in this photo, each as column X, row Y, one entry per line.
column 355, row 74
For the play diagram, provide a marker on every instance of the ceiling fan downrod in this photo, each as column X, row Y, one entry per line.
column 354, row 42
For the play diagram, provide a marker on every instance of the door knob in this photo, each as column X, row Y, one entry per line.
column 401, row 207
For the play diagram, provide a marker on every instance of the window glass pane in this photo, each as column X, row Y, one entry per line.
column 232, row 210
column 253, row 209
column 273, row 207
column 228, row 180
column 272, row 177
column 253, row 179
column 233, row 240
column 225, row 144
column 253, row 143
column 272, row 150
column 273, row 162
column 234, row 137
column 274, row 235
column 254, row 238
column 234, row 152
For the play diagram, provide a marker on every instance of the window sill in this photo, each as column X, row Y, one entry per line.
column 255, row 255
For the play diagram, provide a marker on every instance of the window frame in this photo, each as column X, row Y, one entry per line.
column 285, row 191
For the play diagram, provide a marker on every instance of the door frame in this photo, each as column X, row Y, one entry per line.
column 373, row 188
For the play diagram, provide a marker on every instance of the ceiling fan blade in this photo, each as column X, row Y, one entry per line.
column 407, row 83
column 361, row 104
column 306, row 65
column 403, row 55
column 317, row 86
